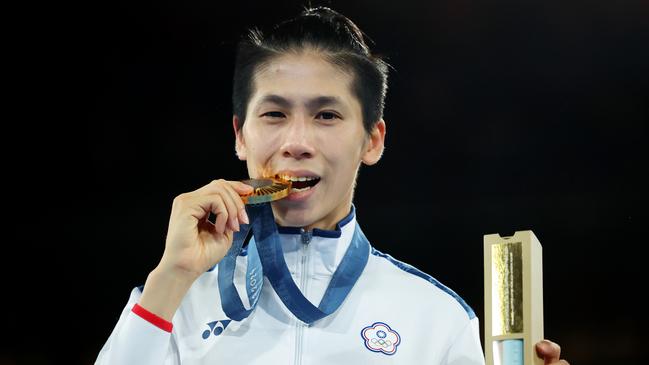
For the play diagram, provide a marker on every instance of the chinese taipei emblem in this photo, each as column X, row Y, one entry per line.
column 379, row 337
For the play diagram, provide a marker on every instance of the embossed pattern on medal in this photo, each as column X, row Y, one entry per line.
column 507, row 286
column 266, row 190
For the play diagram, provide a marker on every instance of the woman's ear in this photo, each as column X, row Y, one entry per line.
column 239, row 143
column 375, row 144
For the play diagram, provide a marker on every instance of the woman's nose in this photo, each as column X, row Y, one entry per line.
column 297, row 140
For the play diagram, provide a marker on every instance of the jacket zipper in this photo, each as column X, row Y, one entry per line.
column 304, row 268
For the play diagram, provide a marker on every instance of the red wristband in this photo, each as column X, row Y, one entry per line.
column 155, row 320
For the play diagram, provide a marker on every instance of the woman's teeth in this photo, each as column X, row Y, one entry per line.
column 301, row 183
column 299, row 190
column 297, row 178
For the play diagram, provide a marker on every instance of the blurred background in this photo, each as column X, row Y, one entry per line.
column 502, row 116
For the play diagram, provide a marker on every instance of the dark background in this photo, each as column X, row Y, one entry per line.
column 502, row 115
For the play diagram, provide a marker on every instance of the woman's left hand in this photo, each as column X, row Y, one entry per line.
column 550, row 352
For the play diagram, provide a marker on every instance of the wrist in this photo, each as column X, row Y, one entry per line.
column 172, row 274
column 164, row 291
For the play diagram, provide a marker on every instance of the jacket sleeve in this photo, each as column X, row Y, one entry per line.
column 466, row 348
column 137, row 341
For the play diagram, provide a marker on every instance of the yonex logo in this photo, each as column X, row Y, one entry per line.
column 216, row 327
column 379, row 337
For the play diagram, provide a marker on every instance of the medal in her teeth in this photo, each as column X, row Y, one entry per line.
column 266, row 190
column 269, row 189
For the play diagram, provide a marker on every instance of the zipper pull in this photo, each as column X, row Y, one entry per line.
column 306, row 236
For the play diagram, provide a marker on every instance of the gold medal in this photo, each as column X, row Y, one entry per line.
column 266, row 189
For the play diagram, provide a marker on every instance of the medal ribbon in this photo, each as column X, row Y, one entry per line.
column 265, row 255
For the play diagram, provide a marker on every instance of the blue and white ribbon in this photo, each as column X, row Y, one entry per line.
column 265, row 255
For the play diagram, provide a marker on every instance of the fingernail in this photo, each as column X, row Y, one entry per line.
column 244, row 216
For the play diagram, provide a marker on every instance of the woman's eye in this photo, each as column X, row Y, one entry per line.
column 327, row 116
column 273, row 115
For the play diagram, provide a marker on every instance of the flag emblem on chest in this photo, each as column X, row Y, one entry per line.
column 379, row 337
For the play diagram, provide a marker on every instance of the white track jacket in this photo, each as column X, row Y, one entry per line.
column 394, row 314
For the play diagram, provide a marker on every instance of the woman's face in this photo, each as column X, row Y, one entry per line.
column 303, row 123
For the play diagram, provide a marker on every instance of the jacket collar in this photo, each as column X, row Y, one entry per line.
column 316, row 232
column 325, row 248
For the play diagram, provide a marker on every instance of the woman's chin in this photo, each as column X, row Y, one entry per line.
column 291, row 216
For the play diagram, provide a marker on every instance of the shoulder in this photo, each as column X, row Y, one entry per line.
column 409, row 280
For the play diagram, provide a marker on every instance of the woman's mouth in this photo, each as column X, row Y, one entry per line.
column 301, row 183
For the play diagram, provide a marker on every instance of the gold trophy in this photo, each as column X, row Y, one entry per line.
column 513, row 290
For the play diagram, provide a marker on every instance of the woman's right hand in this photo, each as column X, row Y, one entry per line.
column 194, row 244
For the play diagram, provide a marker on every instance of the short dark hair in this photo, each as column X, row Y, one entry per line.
column 340, row 41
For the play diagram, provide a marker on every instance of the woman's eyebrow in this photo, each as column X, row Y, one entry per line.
column 311, row 104
column 275, row 99
column 322, row 101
